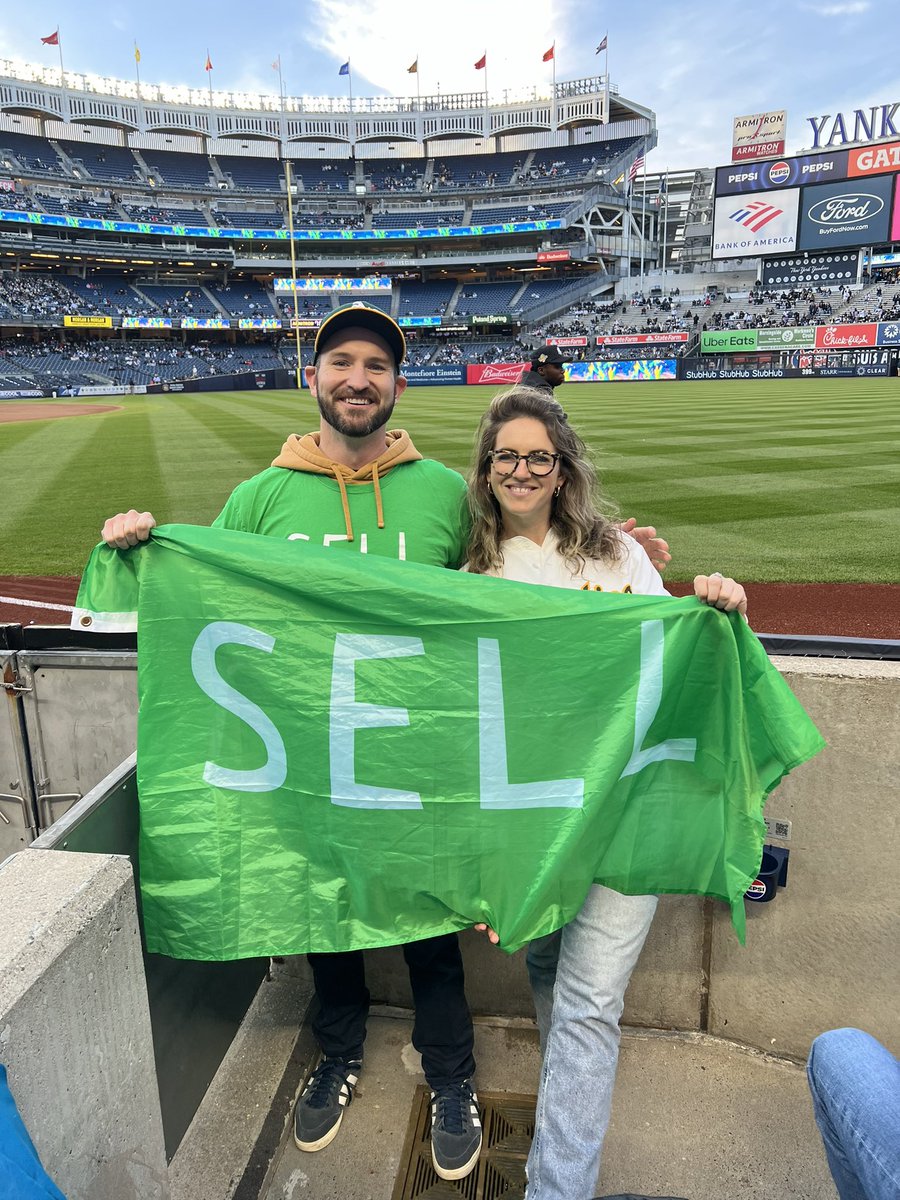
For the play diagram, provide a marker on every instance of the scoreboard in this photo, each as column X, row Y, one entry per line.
column 812, row 203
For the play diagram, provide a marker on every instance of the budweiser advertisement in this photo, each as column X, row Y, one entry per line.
column 553, row 256
column 567, row 341
column 846, row 337
column 641, row 339
column 494, row 372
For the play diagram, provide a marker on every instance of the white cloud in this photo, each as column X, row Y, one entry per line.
column 844, row 8
column 383, row 37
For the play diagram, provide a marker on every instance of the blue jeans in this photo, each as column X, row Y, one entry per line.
column 578, row 977
column 855, row 1085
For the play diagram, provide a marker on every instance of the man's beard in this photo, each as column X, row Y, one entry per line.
column 368, row 421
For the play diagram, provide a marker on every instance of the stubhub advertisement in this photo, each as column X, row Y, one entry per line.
column 852, row 213
column 746, row 226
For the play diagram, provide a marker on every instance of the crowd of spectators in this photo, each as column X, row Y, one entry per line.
column 35, row 296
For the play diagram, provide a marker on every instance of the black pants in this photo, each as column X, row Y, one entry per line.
column 442, row 1031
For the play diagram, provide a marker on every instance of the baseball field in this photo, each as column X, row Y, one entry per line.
column 764, row 480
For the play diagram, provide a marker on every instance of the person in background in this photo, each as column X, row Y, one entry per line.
column 532, row 496
column 546, row 370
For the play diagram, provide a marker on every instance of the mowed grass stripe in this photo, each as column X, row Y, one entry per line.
column 201, row 466
column 777, row 479
column 55, row 533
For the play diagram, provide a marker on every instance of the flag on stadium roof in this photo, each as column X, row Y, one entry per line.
column 482, row 62
column 137, row 53
column 276, row 65
column 635, row 167
column 549, row 54
column 209, row 65
column 345, row 68
column 52, row 40
column 603, row 44
column 414, row 69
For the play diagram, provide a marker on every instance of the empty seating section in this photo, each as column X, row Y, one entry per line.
column 250, row 220
column 316, row 305
column 243, row 299
column 425, row 299
column 542, row 291
column 115, row 163
column 485, row 299
column 394, row 175
column 179, row 301
column 407, row 219
column 476, row 170
column 158, row 215
column 72, row 206
column 179, row 170
column 324, row 176
column 382, row 302
column 113, row 297
column 34, row 153
column 497, row 214
column 252, row 174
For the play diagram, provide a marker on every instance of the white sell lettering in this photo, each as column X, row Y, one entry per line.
column 650, row 687
column 496, row 790
column 348, row 714
column 270, row 776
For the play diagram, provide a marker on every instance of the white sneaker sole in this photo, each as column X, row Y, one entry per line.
column 325, row 1140
column 457, row 1172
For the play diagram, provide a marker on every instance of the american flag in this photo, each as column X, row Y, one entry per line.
column 635, row 167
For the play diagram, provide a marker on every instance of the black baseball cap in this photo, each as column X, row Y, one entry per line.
column 362, row 316
column 547, row 354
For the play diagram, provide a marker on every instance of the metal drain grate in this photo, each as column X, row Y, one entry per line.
column 507, row 1121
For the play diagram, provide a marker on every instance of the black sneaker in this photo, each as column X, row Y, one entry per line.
column 455, row 1130
column 320, row 1106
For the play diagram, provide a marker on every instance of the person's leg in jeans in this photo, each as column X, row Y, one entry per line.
column 342, row 1003
column 598, row 951
column 855, row 1086
column 442, row 1032
column 542, row 960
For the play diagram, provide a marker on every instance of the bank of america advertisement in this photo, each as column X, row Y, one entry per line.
column 745, row 227
column 854, row 213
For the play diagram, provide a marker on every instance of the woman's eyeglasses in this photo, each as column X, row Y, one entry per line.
column 538, row 462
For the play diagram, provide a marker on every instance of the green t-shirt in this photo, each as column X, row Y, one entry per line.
column 425, row 518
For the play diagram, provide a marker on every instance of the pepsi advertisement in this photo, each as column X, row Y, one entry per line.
column 781, row 173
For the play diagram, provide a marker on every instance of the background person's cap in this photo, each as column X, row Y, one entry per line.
column 363, row 317
column 547, row 354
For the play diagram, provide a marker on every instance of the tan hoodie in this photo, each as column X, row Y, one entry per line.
column 303, row 454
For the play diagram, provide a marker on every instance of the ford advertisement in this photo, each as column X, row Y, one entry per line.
column 852, row 213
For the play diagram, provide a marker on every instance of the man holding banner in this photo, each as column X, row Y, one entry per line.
column 355, row 469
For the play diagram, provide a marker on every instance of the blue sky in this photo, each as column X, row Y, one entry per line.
column 728, row 58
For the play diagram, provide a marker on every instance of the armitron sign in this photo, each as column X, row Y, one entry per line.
column 758, row 136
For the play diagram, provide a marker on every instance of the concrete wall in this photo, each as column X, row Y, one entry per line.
column 824, row 953
column 75, row 1025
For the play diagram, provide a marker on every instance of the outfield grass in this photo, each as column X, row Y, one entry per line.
column 765, row 480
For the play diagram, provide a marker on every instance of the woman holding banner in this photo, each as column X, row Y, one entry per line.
column 535, row 519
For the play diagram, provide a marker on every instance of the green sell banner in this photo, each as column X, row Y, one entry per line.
column 728, row 341
column 800, row 337
column 337, row 751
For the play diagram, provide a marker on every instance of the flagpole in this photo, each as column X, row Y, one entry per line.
column 606, row 71
column 664, row 207
column 352, row 118
column 555, row 109
column 209, row 78
column 418, row 85
column 137, row 69
column 485, row 80
column 290, row 200
column 643, row 216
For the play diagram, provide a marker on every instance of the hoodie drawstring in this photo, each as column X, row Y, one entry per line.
column 348, row 524
column 379, row 508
